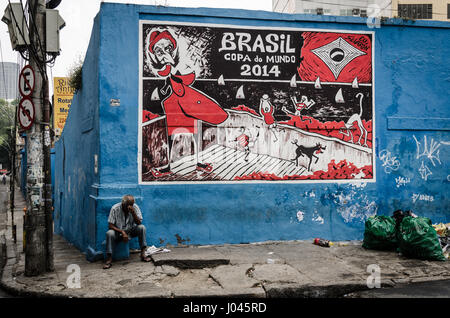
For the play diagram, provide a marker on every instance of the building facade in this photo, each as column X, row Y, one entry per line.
column 412, row 9
column 234, row 126
column 333, row 7
column 424, row 10
column 9, row 79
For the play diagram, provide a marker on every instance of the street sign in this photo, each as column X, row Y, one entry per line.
column 26, row 81
column 26, row 113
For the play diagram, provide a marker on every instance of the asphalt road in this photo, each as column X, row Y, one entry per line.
column 435, row 289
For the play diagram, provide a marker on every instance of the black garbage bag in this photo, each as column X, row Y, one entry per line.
column 380, row 233
column 398, row 217
column 418, row 239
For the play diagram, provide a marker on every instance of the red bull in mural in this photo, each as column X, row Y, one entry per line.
column 230, row 104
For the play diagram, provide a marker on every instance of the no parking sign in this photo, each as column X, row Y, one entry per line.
column 26, row 110
column 26, row 81
column 26, row 113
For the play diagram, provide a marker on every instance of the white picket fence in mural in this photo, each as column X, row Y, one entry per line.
column 282, row 146
column 229, row 163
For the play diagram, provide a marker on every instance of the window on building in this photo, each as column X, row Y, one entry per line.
column 415, row 11
column 319, row 11
column 352, row 12
column 345, row 12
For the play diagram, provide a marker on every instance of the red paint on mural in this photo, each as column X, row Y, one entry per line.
column 336, row 57
column 330, row 128
column 245, row 109
column 148, row 116
column 341, row 170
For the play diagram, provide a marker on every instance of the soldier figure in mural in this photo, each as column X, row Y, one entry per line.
column 185, row 106
column 266, row 110
column 244, row 141
column 299, row 106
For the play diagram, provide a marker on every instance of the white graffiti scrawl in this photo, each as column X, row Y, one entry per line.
column 424, row 171
column 430, row 151
column 390, row 163
column 300, row 216
column 401, row 181
column 422, row 197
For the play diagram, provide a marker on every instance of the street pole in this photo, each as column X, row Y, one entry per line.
column 47, row 179
column 12, row 179
column 37, row 249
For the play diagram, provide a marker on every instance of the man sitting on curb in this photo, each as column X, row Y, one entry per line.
column 124, row 221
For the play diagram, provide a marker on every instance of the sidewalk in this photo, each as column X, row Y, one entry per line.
column 259, row 270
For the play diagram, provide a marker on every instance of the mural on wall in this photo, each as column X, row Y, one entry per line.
column 229, row 104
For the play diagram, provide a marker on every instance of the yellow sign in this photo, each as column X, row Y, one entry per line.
column 62, row 99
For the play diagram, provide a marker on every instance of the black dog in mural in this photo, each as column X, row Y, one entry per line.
column 308, row 151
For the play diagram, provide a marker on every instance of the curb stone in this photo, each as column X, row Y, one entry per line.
column 312, row 291
column 9, row 284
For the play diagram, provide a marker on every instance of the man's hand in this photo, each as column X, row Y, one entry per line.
column 125, row 237
column 133, row 213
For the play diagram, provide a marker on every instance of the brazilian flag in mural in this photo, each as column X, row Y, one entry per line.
column 239, row 104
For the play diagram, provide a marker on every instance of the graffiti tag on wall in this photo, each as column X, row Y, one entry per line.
column 428, row 149
column 238, row 104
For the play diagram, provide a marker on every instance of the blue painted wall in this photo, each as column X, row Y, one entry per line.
column 75, row 178
column 412, row 82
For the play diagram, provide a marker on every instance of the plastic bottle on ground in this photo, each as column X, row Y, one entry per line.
column 323, row 242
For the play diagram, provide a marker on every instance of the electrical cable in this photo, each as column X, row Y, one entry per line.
column 30, row 47
column 31, row 50
column 24, row 57
column 31, row 20
column 17, row 24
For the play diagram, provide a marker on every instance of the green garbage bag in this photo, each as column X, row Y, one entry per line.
column 380, row 233
column 418, row 239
